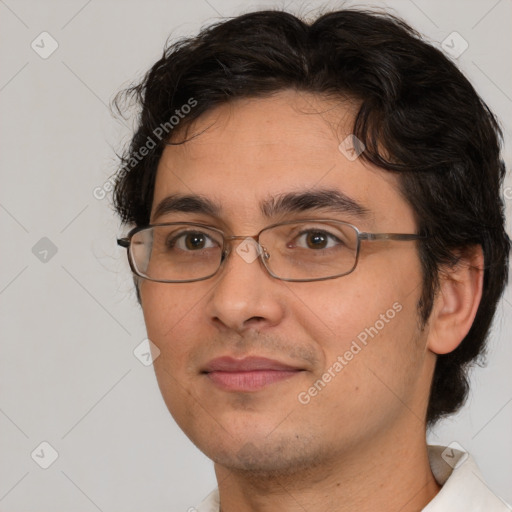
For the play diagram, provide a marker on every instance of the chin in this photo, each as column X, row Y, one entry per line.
column 270, row 456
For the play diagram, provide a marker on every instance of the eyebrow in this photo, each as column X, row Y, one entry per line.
column 187, row 204
column 292, row 202
column 324, row 199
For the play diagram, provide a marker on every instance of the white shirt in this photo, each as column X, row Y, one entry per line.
column 463, row 489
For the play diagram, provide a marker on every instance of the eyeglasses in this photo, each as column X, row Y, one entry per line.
column 299, row 250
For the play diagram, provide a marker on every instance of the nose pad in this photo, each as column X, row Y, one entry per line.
column 266, row 255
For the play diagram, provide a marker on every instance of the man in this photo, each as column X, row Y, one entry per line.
column 318, row 250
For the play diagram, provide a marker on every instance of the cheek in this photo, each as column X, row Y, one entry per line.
column 369, row 315
column 170, row 312
column 336, row 315
column 371, row 357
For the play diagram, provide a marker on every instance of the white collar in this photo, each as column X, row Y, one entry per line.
column 463, row 489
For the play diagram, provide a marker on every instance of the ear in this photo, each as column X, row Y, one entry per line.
column 457, row 301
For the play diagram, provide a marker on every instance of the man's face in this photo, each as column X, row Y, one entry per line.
column 248, row 153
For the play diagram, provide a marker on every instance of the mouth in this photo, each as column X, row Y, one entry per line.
column 248, row 374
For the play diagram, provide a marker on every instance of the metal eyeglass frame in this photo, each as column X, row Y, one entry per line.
column 263, row 255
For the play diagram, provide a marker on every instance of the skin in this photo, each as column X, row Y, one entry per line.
column 359, row 444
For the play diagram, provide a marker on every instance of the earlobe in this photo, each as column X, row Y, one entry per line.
column 457, row 301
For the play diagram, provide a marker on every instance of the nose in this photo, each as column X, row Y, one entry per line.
column 245, row 296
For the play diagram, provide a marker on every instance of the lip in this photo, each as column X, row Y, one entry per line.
column 248, row 374
column 247, row 364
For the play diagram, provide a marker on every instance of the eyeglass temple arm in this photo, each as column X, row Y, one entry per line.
column 390, row 236
column 123, row 242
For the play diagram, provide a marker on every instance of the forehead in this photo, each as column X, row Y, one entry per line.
column 241, row 155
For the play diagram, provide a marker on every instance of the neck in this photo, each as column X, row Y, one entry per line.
column 388, row 474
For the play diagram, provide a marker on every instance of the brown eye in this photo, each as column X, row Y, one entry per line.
column 195, row 241
column 192, row 241
column 316, row 240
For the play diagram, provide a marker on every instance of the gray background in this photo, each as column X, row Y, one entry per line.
column 70, row 321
